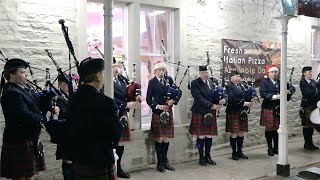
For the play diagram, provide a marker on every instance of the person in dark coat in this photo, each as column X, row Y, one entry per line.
column 204, row 123
column 310, row 97
column 162, row 127
column 236, row 118
column 95, row 129
column 24, row 112
column 270, row 112
column 121, row 99
column 62, row 149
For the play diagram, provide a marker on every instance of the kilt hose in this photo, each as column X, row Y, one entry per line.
column 197, row 128
column 305, row 121
column 269, row 119
column 234, row 124
column 17, row 160
column 126, row 133
column 158, row 129
column 83, row 172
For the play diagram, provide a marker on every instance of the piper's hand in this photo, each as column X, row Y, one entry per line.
column 132, row 105
column 254, row 99
column 170, row 102
column 216, row 106
column 55, row 110
column 163, row 107
column 222, row 101
column 248, row 104
column 138, row 98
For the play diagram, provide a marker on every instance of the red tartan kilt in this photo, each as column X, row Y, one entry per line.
column 83, row 172
column 234, row 124
column 269, row 119
column 197, row 128
column 158, row 129
column 305, row 121
column 126, row 133
column 17, row 160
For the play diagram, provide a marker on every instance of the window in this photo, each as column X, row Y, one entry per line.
column 95, row 29
column 315, row 55
column 155, row 25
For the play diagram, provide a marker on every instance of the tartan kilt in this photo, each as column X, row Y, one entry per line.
column 126, row 133
column 234, row 124
column 197, row 128
column 83, row 172
column 158, row 129
column 305, row 121
column 17, row 160
column 269, row 119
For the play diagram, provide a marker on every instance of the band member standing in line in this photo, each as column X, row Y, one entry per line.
column 310, row 97
column 236, row 118
column 270, row 112
column 161, row 130
column 95, row 128
column 121, row 99
column 24, row 113
column 204, row 123
column 62, row 149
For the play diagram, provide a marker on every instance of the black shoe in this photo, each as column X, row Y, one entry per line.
column 166, row 165
column 235, row 157
column 161, row 168
column 202, row 162
column 242, row 156
column 310, row 147
column 210, row 161
column 122, row 174
column 275, row 151
column 270, row 152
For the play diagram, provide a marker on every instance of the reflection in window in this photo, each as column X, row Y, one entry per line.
column 155, row 25
column 95, row 29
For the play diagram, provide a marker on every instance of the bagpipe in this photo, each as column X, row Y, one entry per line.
column 290, row 91
column 315, row 114
column 249, row 94
column 172, row 90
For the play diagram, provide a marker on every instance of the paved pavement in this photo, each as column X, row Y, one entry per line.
column 259, row 166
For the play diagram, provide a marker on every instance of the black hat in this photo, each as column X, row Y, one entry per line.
column 306, row 68
column 90, row 66
column 114, row 60
column 203, row 68
column 14, row 64
column 233, row 73
column 63, row 78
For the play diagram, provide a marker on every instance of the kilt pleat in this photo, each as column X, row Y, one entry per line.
column 126, row 133
column 83, row 172
column 158, row 129
column 197, row 127
column 305, row 121
column 269, row 119
column 17, row 160
column 234, row 124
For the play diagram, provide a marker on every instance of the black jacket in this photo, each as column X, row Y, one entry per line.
column 235, row 98
column 95, row 127
column 22, row 112
column 310, row 93
column 121, row 94
column 156, row 94
column 203, row 96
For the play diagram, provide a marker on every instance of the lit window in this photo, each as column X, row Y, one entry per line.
column 95, row 29
column 155, row 25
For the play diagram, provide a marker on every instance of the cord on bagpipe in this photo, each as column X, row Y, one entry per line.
column 218, row 93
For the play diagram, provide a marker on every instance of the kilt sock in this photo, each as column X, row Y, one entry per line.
column 268, row 135
column 275, row 138
column 233, row 144
column 165, row 149
column 119, row 151
column 158, row 148
column 208, row 144
column 239, row 144
column 200, row 145
column 67, row 171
